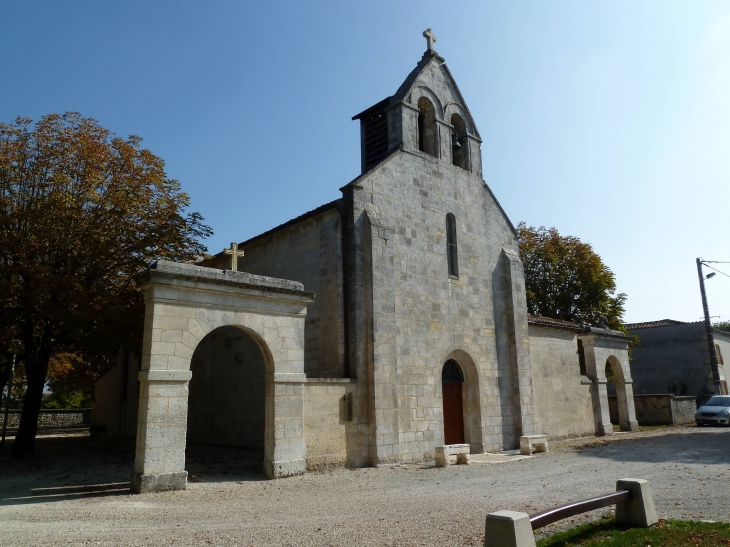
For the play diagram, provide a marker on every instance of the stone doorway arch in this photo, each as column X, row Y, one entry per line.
column 227, row 392
column 618, row 379
column 600, row 347
column 452, row 380
column 471, row 413
column 183, row 304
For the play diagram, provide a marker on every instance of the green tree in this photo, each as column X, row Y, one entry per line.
column 82, row 211
column 565, row 279
column 71, row 379
column 722, row 325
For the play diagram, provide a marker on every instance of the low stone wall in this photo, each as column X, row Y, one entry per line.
column 659, row 409
column 52, row 417
column 327, row 412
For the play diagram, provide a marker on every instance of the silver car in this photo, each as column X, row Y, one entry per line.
column 715, row 411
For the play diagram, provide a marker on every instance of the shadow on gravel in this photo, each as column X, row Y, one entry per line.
column 73, row 465
column 64, row 467
column 223, row 464
column 698, row 446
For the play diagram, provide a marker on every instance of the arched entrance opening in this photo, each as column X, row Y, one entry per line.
column 618, row 403
column 227, row 395
column 452, row 382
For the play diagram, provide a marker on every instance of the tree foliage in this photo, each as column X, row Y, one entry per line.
column 722, row 325
column 71, row 379
column 565, row 279
column 82, row 211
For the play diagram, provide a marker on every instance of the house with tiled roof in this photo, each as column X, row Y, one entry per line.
column 674, row 357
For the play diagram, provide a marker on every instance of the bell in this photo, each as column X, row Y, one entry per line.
column 455, row 141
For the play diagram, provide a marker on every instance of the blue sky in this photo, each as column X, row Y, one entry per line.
column 607, row 120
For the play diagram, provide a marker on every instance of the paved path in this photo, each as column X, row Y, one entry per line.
column 75, row 493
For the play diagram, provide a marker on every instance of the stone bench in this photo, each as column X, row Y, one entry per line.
column 634, row 507
column 539, row 442
column 444, row 453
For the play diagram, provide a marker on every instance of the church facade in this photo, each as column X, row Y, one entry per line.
column 415, row 333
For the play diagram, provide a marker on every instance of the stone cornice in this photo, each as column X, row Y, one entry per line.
column 604, row 333
column 165, row 272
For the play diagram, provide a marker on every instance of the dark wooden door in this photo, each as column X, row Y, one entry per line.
column 453, row 414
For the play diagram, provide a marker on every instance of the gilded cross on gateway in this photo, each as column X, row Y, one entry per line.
column 430, row 38
column 235, row 253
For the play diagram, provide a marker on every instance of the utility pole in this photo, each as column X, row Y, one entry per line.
column 708, row 332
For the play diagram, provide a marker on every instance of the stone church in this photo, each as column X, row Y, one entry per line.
column 368, row 331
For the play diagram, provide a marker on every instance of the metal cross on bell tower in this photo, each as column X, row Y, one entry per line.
column 235, row 253
column 430, row 38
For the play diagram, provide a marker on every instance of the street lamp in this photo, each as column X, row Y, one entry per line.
column 708, row 331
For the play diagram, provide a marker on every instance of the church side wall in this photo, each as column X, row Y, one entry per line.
column 562, row 397
column 105, row 411
column 421, row 315
column 308, row 252
column 113, row 406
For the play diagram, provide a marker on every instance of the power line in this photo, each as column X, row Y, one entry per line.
column 718, row 271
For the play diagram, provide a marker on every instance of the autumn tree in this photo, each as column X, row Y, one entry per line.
column 71, row 379
column 566, row 279
column 82, row 211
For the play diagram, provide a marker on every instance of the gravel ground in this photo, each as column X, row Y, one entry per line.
column 75, row 492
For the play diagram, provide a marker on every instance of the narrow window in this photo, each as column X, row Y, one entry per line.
column 427, row 130
column 451, row 250
column 718, row 353
column 582, row 358
column 459, row 153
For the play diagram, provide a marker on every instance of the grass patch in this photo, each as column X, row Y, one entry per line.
column 667, row 533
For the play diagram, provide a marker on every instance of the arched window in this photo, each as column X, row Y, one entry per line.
column 459, row 152
column 451, row 251
column 427, row 130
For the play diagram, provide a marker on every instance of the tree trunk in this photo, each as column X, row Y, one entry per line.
column 35, row 372
column 5, row 369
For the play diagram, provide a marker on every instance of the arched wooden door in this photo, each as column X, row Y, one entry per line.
column 452, row 379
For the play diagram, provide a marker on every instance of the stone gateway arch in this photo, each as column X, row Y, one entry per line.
column 183, row 304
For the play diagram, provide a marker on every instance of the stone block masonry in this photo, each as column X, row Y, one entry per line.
column 183, row 304
column 307, row 251
column 563, row 406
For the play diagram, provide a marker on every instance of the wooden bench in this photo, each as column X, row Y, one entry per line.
column 444, row 453
column 539, row 442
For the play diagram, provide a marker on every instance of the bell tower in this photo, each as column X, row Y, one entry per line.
column 426, row 115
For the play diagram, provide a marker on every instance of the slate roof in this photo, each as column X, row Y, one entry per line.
column 654, row 324
column 550, row 322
